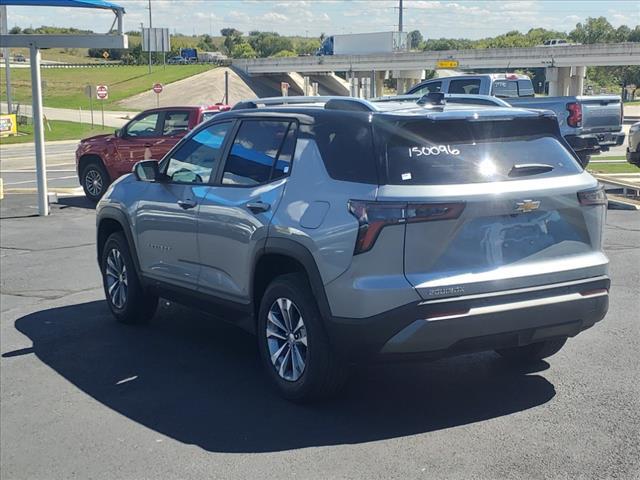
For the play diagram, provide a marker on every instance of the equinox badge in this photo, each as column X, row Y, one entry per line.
column 527, row 206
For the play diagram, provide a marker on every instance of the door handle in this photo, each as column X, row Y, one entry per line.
column 258, row 207
column 187, row 203
column 147, row 145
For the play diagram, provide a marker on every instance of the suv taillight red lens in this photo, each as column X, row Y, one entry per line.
column 575, row 114
column 374, row 216
column 596, row 196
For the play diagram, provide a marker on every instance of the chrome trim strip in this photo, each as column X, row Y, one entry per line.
column 504, row 307
column 514, row 291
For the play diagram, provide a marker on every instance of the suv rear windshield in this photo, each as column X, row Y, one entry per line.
column 425, row 152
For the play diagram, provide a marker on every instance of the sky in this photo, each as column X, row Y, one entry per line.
column 434, row 19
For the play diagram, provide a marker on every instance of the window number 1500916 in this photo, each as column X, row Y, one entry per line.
column 434, row 150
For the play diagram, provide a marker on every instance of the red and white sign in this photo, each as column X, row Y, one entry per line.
column 284, row 88
column 157, row 88
column 102, row 92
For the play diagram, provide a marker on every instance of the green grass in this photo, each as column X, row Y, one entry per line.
column 612, row 168
column 60, row 130
column 64, row 87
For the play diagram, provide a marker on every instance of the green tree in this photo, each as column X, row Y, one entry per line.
column 232, row 37
column 594, row 30
column 267, row 44
column 285, row 53
column 243, row 50
column 414, row 39
column 307, row 46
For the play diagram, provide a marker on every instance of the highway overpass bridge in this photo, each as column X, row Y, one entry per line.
column 565, row 64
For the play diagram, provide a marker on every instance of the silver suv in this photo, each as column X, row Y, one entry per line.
column 343, row 231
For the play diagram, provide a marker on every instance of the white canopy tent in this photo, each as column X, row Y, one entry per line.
column 114, row 38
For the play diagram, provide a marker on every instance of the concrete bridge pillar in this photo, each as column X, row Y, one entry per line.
column 576, row 86
column 565, row 80
column 407, row 79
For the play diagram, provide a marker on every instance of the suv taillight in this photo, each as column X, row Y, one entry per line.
column 575, row 114
column 596, row 196
column 374, row 216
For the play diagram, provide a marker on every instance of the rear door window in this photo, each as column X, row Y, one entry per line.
column 176, row 122
column 525, row 88
column 505, row 88
column 470, row 86
column 256, row 151
column 422, row 152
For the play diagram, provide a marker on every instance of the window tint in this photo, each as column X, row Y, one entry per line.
column 254, row 152
column 428, row 88
column 505, row 88
column 422, row 152
column 144, row 127
column 525, row 88
column 175, row 123
column 346, row 146
column 196, row 159
column 468, row 86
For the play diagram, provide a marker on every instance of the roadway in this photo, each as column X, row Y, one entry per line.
column 17, row 167
column 185, row 397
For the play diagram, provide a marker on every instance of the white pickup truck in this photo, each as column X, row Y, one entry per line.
column 591, row 124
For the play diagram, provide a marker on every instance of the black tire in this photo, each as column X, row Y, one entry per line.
column 534, row 352
column 584, row 159
column 138, row 306
column 323, row 374
column 94, row 180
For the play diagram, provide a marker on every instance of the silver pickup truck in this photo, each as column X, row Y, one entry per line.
column 591, row 124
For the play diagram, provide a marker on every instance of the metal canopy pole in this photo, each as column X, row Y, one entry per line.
column 38, row 131
column 4, row 31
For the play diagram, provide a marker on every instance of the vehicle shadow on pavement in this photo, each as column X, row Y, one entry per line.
column 199, row 381
column 79, row 201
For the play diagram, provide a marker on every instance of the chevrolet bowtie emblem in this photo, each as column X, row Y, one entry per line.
column 527, row 206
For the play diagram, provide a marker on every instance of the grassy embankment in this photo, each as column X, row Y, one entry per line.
column 57, row 130
column 64, row 87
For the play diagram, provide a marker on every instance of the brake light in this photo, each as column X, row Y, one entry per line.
column 575, row 114
column 374, row 216
column 596, row 196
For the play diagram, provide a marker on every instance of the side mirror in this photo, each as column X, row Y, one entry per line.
column 147, row 171
column 118, row 133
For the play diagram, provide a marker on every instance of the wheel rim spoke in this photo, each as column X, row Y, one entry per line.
column 286, row 338
column 116, row 278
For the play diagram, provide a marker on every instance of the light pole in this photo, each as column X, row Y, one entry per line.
column 150, row 26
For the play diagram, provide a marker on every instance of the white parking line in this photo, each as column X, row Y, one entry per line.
column 33, row 181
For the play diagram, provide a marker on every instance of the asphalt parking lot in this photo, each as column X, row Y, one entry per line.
column 184, row 397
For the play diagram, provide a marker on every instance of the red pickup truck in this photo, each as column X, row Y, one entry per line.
column 151, row 134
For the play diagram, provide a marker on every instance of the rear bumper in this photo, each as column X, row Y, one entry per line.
column 474, row 323
column 595, row 141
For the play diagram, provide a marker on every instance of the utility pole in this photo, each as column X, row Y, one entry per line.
column 400, row 10
column 150, row 26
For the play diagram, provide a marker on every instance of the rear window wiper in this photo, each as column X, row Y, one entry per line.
column 524, row 169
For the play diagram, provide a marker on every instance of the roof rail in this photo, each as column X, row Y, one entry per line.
column 330, row 103
column 456, row 98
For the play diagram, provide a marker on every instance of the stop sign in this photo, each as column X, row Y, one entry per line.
column 157, row 88
column 102, row 92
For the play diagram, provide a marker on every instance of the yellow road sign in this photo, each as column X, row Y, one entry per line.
column 8, row 125
column 447, row 64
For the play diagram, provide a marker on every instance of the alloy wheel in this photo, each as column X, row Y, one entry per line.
column 117, row 282
column 287, row 339
column 94, row 182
